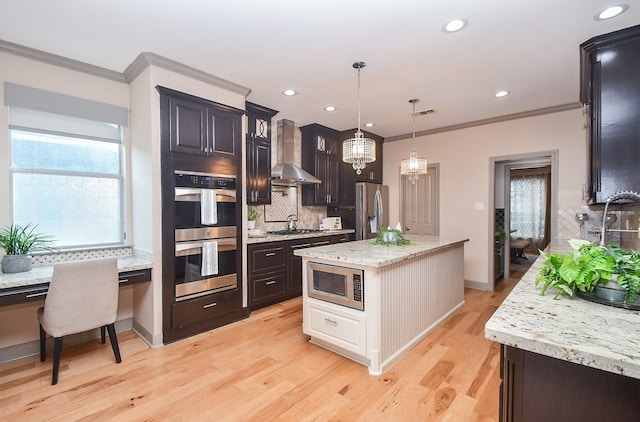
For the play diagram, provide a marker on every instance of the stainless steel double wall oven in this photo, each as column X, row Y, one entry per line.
column 205, row 234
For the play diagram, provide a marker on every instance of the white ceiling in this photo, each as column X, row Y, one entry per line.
column 530, row 48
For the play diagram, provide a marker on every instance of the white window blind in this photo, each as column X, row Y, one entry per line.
column 66, row 175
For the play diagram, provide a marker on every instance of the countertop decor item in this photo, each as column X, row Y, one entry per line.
column 18, row 242
column 390, row 237
column 253, row 214
column 590, row 269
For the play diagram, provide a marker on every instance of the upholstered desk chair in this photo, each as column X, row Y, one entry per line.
column 82, row 295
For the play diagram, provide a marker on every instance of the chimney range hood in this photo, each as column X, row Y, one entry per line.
column 285, row 173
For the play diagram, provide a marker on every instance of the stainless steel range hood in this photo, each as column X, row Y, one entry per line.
column 286, row 173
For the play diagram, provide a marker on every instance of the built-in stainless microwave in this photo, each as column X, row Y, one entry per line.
column 340, row 285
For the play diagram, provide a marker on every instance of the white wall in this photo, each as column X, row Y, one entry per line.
column 18, row 324
column 466, row 175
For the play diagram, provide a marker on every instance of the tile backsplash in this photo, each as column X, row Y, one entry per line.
column 627, row 217
column 284, row 202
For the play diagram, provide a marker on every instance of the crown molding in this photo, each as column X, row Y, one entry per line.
column 498, row 119
column 54, row 59
column 141, row 62
column 146, row 59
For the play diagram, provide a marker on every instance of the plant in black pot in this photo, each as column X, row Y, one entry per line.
column 18, row 242
column 611, row 273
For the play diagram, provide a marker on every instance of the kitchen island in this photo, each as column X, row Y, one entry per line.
column 407, row 292
column 565, row 359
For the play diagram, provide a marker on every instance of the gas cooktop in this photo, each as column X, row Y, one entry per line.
column 297, row 231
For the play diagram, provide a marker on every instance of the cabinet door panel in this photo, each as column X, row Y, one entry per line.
column 611, row 82
column 188, row 130
column 262, row 153
column 222, row 131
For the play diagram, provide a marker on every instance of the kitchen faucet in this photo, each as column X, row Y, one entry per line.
column 629, row 195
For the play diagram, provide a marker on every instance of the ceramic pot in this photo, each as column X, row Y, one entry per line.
column 16, row 263
column 251, row 225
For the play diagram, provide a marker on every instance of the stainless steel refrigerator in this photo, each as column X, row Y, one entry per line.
column 372, row 209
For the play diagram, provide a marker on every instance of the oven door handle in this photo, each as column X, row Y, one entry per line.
column 194, row 194
column 195, row 248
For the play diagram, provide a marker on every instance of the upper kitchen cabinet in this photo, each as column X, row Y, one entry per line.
column 372, row 173
column 259, row 154
column 202, row 127
column 321, row 156
column 610, row 86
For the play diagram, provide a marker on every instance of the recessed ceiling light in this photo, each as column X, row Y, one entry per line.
column 369, row 124
column 611, row 12
column 329, row 108
column 501, row 94
column 454, row 25
column 289, row 92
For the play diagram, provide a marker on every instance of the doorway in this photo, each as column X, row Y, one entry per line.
column 520, row 216
column 420, row 203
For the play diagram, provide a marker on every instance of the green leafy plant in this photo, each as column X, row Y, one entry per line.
column 588, row 266
column 253, row 214
column 390, row 237
column 21, row 240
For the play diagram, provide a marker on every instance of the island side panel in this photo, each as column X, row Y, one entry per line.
column 416, row 296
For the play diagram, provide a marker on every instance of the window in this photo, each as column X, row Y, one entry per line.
column 66, row 177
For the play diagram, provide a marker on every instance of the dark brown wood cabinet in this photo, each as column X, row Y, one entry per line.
column 322, row 157
column 202, row 136
column 610, row 86
column 540, row 388
column 372, row 173
column 202, row 127
column 267, row 272
column 275, row 273
column 259, row 154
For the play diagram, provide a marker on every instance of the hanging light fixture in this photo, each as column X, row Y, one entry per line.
column 358, row 151
column 413, row 166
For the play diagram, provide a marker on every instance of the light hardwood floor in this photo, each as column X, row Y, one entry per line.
column 263, row 369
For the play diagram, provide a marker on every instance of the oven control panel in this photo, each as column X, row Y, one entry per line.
column 203, row 180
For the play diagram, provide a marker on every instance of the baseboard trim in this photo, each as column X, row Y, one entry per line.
column 476, row 285
column 153, row 341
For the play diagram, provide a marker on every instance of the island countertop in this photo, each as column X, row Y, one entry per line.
column 365, row 253
column 570, row 328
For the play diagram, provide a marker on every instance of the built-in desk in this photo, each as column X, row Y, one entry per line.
column 33, row 285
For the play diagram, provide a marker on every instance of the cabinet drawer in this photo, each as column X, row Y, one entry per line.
column 345, row 329
column 134, row 277
column 268, row 287
column 203, row 308
column 271, row 258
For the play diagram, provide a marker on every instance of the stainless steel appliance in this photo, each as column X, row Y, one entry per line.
column 340, row 285
column 205, row 234
column 372, row 209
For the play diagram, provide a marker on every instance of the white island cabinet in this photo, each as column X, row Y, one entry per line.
column 407, row 290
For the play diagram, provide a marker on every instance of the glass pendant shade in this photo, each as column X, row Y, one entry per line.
column 413, row 166
column 358, row 151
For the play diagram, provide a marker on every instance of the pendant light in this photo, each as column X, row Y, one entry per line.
column 413, row 166
column 358, row 151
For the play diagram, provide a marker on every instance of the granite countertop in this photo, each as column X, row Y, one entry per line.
column 365, row 253
column 570, row 328
column 42, row 274
column 280, row 237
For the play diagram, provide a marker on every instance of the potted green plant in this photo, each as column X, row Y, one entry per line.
column 252, row 215
column 592, row 268
column 18, row 242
